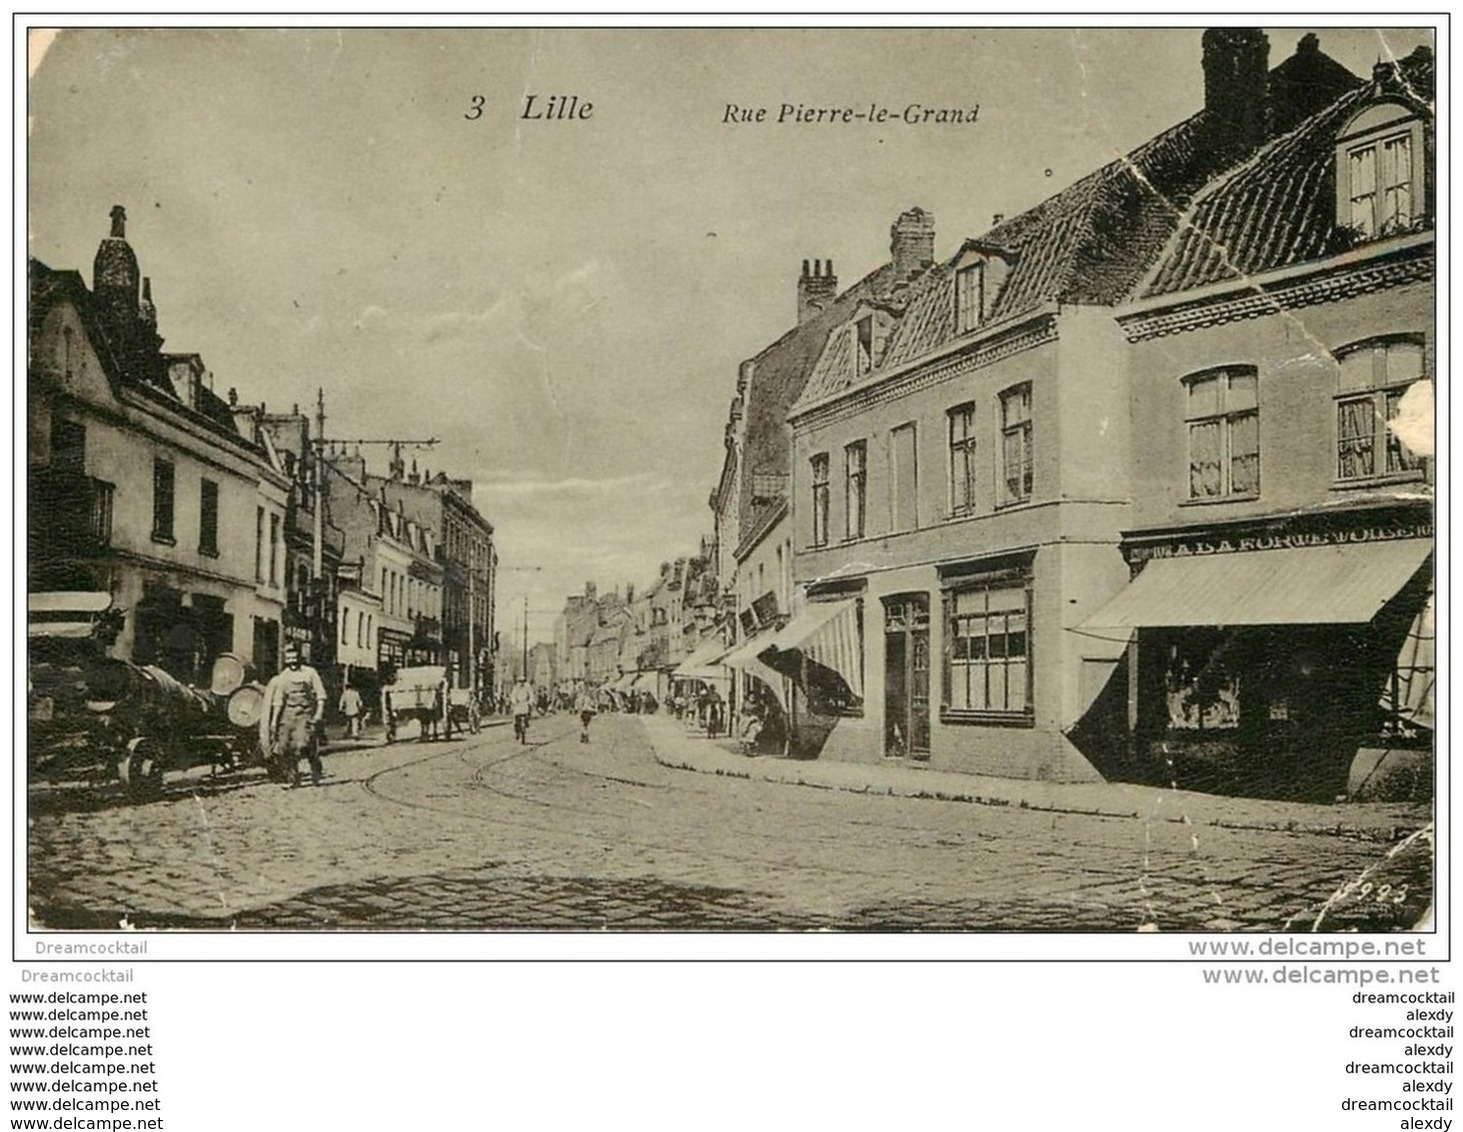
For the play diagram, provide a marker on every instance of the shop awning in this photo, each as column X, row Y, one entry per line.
column 1312, row 585
column 69, row 614
column 744, row 659
column 704, row 663
column 826, row 633
column 1415, row 699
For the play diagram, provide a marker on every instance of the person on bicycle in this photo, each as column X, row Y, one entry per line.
column 520, row 702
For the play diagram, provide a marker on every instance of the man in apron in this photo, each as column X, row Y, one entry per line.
column 296, row 700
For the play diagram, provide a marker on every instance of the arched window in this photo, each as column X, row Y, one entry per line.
column 1223, row 416
column 1381, row 171
column 1374, row 375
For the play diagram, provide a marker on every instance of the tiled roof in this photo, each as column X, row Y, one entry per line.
column 780, row 372
column 1087, row 244
column 1097, row 241
column 49, row 286
column 1275, row 209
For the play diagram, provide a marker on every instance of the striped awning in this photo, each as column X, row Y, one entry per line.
column 1346, row 584
column 704, row 663
column 69, row 614
column 744, row 659
column 826, row 633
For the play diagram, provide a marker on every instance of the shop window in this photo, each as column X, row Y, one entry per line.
column 819, row 464
column 208, row 518
column 1016, row 444
column 988, row 651
column 1223, row 415
column 962, row 458
column 1373, row 378
column 1202, row 688
column 855, row 494
column 162, row 501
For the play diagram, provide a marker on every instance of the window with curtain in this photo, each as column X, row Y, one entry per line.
column 1223, row 415
column 1373, row 376
column 1380, row 186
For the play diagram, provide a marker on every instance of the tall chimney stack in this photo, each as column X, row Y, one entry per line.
column 816, row 289
column 1236, row 87
column 912, row 242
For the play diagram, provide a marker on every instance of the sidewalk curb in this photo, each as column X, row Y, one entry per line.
column 1384, row 828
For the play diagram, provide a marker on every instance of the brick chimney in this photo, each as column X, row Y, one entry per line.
column 1305, row 84
column 912, row 242
column 816, row 289
column 1236, row 86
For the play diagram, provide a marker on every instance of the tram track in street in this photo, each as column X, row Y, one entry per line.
column 479, row 778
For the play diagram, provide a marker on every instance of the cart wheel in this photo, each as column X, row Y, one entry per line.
column 141, row 769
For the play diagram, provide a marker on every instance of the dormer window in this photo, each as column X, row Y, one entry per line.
column 1380, row 171
column 864, row 345
column 980, row 273
column 969, row 297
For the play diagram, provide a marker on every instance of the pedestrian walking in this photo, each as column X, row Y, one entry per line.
column 585, row 706
column 350, row 707
column 295, row 702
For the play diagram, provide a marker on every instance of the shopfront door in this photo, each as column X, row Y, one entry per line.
column 907, row 676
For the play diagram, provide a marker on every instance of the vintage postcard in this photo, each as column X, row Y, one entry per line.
column 905, row 480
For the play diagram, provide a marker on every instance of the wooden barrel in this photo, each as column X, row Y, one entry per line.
column 229, row 672
column 246, row 705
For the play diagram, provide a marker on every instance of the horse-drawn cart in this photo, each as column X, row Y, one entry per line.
column 97, row 719
column 421, row 694
column 462, row 709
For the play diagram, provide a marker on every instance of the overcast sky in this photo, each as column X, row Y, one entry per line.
column 563, row 303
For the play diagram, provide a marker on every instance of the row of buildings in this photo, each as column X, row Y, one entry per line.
column 219, row 527
column 634, row 639
column 1133, row 485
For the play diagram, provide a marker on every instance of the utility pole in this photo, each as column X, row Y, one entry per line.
column 317, row 563
column 317, row 534
column 525, row 636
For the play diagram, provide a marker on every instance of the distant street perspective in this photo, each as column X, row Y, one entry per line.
column 649, row 828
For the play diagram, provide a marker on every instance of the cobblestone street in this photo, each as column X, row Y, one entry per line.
column 482, row 833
